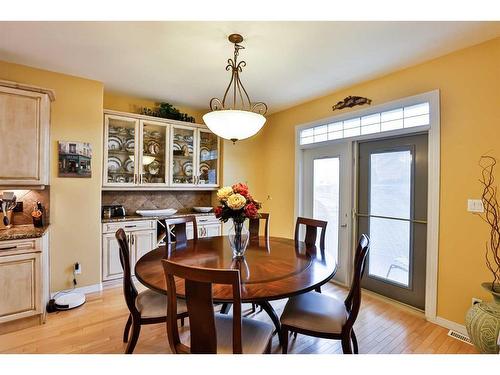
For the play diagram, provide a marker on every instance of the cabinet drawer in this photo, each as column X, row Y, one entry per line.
column 19, row 246
column 129, row 226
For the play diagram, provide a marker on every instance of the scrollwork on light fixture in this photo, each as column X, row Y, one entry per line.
column 241, row 99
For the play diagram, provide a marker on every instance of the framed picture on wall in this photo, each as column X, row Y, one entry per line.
column 75, row 159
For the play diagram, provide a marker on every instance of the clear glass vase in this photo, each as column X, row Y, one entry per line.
column 238, row 239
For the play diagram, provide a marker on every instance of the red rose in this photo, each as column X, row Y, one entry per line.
column 218, row 211
column 251, row 211
column 240, row 188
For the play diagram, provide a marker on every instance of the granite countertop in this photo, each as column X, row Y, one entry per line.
column 139, row 217
column 19, row 232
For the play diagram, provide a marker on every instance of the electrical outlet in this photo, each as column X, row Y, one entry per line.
column 475, row 205
column 78, row 268
column 476, row 301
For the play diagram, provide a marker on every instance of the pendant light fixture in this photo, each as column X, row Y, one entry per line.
column 238, row 118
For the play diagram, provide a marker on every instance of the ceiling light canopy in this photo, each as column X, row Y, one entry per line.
column 238, row 118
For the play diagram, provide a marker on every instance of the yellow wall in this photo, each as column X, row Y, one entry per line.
column 469, row 82
column 75, row 203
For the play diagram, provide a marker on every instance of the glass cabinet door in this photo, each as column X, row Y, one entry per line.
column 154, row 153
column 182, row 143
column 208, row 158
column 120, row 153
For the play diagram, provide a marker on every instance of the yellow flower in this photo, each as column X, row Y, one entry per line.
column 236, row 201
column 224, row 192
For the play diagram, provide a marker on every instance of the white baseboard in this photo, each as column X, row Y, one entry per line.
column 449, row 325
column 84, row 289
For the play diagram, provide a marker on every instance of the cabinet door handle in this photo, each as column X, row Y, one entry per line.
column 132, row 236
column 130, row 226
column 8, row 248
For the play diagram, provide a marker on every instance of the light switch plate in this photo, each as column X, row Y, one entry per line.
column 475, row 205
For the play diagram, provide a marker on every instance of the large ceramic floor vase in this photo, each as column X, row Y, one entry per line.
column 483, row 323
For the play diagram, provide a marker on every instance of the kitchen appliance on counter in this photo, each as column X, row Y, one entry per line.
column 114, row 210
column 7, row 204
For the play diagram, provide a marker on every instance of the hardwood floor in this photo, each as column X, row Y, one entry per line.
column 97, row 327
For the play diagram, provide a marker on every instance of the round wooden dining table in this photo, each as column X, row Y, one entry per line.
column 271, row 269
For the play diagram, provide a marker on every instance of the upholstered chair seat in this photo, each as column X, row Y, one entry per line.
column 151, row 304
column 255, row 335
column 315, row 312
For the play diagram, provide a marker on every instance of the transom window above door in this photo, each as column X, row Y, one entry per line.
column 397, row 118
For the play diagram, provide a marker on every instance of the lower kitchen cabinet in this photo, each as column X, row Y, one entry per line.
column 23, row 278
column 140, row 241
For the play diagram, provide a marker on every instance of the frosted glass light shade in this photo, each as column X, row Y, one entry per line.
column 234, row 124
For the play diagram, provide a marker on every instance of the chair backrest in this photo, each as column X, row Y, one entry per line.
column 353, row 299
column 128, row 286
column 312, row 226
column 180, row 229
column 254, row 226
column 198, row 291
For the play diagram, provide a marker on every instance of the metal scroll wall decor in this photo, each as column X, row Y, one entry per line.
column 351, row 101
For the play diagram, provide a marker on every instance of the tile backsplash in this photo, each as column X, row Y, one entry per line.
column 183, row 201
column 29, row 199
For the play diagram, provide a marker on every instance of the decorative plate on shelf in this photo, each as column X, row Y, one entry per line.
column 114, row 163
column 129, row 165
column 130, row 144
column 153, row 147
column 131, row 132
column 114, row 143
column 123, row 131
column 204, row 167
column 176, row 167
column 188, row 138
column 187, row 168
column 187, row 150
column 154, row 167
column 204, row 153
column 155, row 134
column 121, row 179
column 113, row 130
column 176, row 147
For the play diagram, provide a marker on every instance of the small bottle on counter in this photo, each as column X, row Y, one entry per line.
column 37, row 215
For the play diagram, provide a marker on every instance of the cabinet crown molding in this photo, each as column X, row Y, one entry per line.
column 23, row 86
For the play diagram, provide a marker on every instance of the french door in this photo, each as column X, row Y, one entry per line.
column 326, row 195
column 392, row 210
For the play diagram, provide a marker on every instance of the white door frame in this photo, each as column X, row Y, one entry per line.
column 433, row 130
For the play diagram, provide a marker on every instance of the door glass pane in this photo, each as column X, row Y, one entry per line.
column 390, row 195
column 121, row 149
column 153, row 154
column 326, row 183
column 390, row 184
column 208, row 156
column 182, row 156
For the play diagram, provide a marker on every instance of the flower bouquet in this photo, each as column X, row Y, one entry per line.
column 237, row 204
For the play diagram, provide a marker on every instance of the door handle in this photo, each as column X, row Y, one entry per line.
column 344, row 225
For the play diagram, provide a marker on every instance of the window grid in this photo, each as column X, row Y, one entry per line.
column 397, row 118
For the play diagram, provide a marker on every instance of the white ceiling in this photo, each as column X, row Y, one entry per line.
column 183, row 62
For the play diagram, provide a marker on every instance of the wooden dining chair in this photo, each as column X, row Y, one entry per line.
column 254, row 226
column 210, row 332
column 312, row 226
column 319, row 315
column 147, row 307
column 181, row 229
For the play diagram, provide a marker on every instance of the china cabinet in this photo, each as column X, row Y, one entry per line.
column 24, row 125
column 142, row 152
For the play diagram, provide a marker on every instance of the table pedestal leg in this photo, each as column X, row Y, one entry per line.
column 272, row 314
